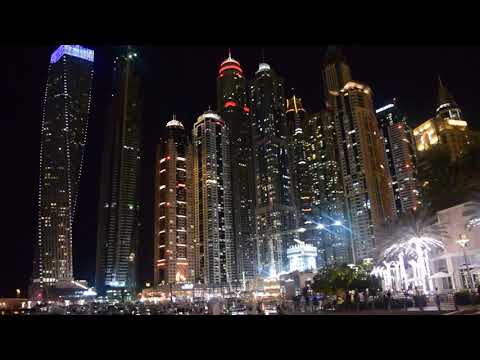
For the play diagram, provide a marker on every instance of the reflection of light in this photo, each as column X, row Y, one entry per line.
column 337, row 223
column 301, row 230
column 320, row 226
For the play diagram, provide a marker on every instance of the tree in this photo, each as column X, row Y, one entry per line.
column 333, row 279
column 446, row 182
column 408, row 243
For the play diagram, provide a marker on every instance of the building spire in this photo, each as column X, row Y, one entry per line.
column 174, row 117
column 263, row 55
column 443, row 95
column 229, row 54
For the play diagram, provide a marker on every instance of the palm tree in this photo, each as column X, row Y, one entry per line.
column 409, row 241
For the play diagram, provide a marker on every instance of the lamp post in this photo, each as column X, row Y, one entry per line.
column 463, row 241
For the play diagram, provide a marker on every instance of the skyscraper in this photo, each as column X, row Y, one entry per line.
column 119, row 203
column 173, row 252
column 275, row 208
column 401, row 156
column 63, row 139
column 232, row 107
column 327, row 194
column 213, row 200
column 447, row 127
column 298, row 144
column 336, row 73
column 366, row 179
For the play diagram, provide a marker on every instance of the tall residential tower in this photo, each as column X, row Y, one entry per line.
column 366, row 179
column 213, row 201
column 173, row 252
column 275, row 211
column 401, row 156
column 66, row 112
column 119, row 203
column 232, row 107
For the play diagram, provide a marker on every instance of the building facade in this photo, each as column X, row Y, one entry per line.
column 66, row 111
column 173, row 242
column 232, row 107
column 366, row 179
column 327, row 194
column 447, row 127
column 401, row 157
column 452, row 267
column 119, row 203
column 275, row 213
column 213, row 201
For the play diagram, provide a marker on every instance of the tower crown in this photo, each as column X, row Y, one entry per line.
column 230, row 64
column 174, row 123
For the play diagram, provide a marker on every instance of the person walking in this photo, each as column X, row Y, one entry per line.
column 437, row 298
column 389, row 300
column 356, row 300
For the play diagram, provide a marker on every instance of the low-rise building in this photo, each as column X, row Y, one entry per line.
column 456, row 266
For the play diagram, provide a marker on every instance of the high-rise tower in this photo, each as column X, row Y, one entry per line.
column 336, row 74
column 327, row 194
column 367, row 183
column 232, row 107
column 63, row 139
column 173, row 252
column 275, row 209
column 119, row 203
column 213, row 200
column 401, row 156
column 365, row 175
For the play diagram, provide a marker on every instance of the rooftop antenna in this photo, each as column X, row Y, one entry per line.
column 174, row 117
column 263, row 55
column 229, row 54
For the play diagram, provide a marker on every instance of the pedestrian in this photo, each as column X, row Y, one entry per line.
column 437, row 298
column 356, row 300
column 418, row 298
column 348, row 301
column 315, row 303
column 389, row 300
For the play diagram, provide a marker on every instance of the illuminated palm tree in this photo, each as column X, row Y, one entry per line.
column 408, row 244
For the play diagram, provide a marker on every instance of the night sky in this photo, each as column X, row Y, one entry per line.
column 182, row 80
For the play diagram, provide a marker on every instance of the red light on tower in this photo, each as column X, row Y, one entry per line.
column 230, row 67
column 229, row 104
column 246, row 109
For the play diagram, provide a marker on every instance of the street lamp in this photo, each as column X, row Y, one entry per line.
column 463, row 241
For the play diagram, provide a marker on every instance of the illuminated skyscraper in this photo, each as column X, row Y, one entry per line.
column 401, row 156
column 327, row 194
column 213, row 201
column 275, row 208
column 119, row 203
column 365, row 174
column 173, row 252
column 298, row 144
column 366, row 179
column 232, row 107
column 63, row 139
column 447, row 127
